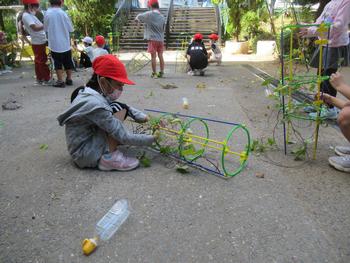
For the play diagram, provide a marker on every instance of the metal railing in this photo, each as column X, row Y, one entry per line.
column 168, row 22
column 222, row 15
column 119, row 20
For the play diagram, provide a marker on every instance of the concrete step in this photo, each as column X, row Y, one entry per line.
column 185, row 23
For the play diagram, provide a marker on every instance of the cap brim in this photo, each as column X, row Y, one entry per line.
column 124, row 80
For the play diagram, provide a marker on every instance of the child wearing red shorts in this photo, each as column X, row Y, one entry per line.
column 154, row 33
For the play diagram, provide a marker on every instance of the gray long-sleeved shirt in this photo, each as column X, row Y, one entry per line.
column 88, row 121
column 154, row 25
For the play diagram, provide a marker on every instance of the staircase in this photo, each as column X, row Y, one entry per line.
column 132, row 34
column 186, row 21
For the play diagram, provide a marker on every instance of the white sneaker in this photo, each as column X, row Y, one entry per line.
column 326, row 113
column 341, row 163
column 191, row 73
column 49, row 82
column 117, row 161
column 342, row 150
column 38, row 83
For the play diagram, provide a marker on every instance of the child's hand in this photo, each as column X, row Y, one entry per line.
column 303, row 31
column 327, row 98
column 336, row 80
column 145, row 119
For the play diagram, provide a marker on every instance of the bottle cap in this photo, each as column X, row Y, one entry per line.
column 89, row 245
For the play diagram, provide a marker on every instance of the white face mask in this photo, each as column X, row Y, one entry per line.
column 111, row 96
column 115, row 94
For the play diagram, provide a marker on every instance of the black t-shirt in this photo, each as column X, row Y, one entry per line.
column 196, row 48
column 198, row 54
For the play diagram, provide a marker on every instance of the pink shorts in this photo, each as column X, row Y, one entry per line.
column 155, row 46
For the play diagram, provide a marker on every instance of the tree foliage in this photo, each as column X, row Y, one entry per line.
column 312, row 2
column 91, row 17
column 238, row 10
column 4, row 12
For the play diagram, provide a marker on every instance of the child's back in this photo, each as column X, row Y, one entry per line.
column 198, row 55
column 154, row 25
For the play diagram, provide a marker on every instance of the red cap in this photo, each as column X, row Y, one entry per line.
column 214, row 37
column 30, row 2
column 100, row 40
column 198, row 36
column 151, row 2
column 110, row 67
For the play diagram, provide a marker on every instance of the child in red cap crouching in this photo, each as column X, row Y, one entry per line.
column 197, row 55
column 93, row 122
column 215, row 55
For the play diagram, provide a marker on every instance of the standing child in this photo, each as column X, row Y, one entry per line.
column 337, row 12
column 99, row 50
column 94, row 127
column 215, row 53
column 197, row 55
column 35, row 28
column 58, row 25
column 154, row 33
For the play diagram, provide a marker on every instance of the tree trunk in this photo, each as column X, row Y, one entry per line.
column 2, row 23
column 321, row 7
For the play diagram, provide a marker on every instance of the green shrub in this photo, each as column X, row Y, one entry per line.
column 10, row 26
column 250, row 24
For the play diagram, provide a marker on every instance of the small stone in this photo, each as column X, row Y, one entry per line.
column 260, row 175
column 11, row 104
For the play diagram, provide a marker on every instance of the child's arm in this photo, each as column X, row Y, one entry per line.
column 107, row 122
column 142, row 17
column 339, row 84
column 137, row 115
column 339, row 103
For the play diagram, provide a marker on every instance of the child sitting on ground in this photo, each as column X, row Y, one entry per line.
column 86, row 54
column 99, row 50
column 341, row 162
column 94, row 127
column 197, row 56
column 214, row 55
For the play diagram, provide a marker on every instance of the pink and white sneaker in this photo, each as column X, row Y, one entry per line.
column 117, row 161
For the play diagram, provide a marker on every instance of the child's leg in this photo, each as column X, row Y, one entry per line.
column 112, row 143
column 344, row 122
column 154, row 61
column 161, row 61
column 116, row 160
column 59, row 73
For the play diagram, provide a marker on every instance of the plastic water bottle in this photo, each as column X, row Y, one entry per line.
column 107, row 226
column 185, row 103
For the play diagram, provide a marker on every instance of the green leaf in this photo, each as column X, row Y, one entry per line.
column 271, row 141
column 150, row 94
column 184, row 169
column 189, row 150
column 43, row 146
column 266, row 82
column 299, row 152
column 145, row 161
